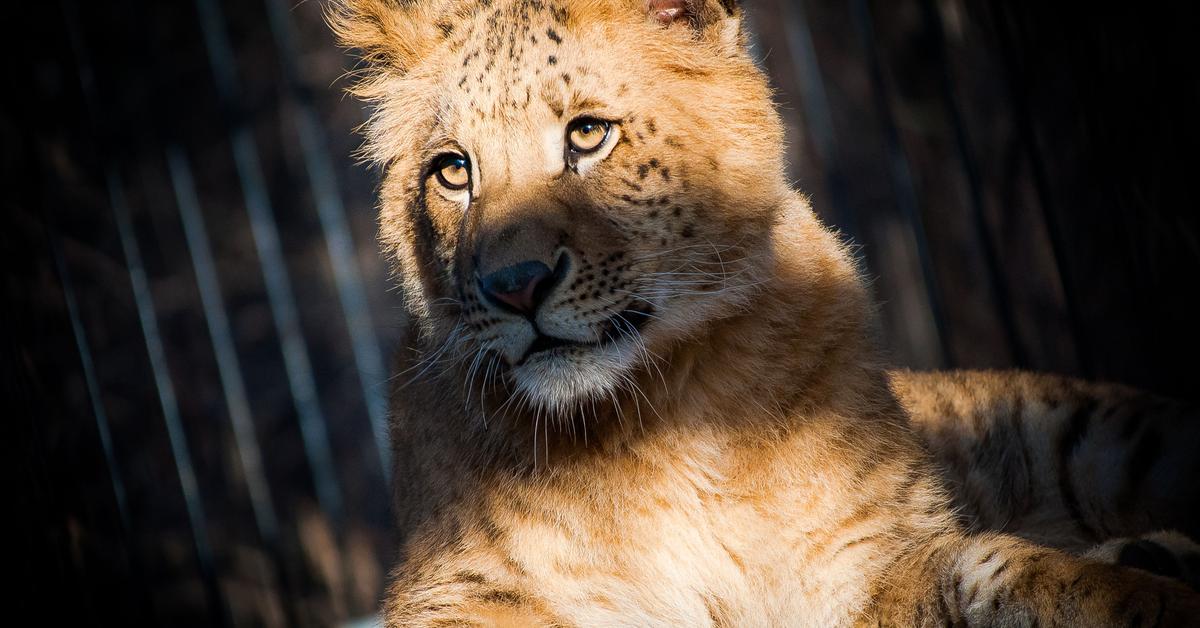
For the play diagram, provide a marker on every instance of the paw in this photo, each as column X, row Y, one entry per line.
column 1167, row 553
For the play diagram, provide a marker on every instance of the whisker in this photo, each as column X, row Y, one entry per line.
column 467, row 387
column 452, row 339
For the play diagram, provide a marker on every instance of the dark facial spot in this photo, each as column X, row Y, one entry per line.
column 471, row 577
column 643, row 170
column 650, row 126
column 553, row 36
column 566, row 78
column 552, row 60
column 688, row 231
column 503, row 598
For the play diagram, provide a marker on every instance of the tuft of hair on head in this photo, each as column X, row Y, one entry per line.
column 389, row 37
column 392, row 34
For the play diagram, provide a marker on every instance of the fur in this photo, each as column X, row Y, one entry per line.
column 714, row 440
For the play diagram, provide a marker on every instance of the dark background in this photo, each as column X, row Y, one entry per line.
column 196, row 322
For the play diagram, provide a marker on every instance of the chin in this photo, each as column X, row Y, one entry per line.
column 561, row 379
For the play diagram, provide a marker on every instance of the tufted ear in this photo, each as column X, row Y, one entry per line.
column 390, row 33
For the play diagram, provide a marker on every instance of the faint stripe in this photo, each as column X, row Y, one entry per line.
column 368, row 356
column 297, row 364
column 89, row 378
column 815, row 102
column 998, row 286
column 228, row 366
column 162, row 380
column 901, row 174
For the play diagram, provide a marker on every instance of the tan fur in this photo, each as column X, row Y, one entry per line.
column 1056, row 460
column 738, row 459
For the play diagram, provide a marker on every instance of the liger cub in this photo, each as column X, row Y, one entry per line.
column 638, row 385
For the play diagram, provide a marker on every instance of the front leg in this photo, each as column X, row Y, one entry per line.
column 999, row 580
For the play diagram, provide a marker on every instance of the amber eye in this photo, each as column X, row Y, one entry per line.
column 587, row 134
column 453, row 171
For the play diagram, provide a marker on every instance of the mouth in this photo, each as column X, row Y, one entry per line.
column 619, row 326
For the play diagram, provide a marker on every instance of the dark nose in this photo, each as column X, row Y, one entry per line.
column 520, row 288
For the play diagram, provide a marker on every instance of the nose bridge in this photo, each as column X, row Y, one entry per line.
column 518, row 221
column 512, row 163
column 516, row 230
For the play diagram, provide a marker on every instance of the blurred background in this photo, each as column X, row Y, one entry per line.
column 197, row 325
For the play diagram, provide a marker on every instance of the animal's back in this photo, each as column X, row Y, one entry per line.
column 1060, row 460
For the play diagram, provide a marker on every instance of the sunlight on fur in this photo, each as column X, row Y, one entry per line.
column 640, row 384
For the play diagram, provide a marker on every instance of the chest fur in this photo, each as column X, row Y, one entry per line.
column 720, row 535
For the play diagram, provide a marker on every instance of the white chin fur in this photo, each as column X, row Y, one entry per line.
column 561, row 379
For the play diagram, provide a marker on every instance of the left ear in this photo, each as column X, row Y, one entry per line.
column 720, row 20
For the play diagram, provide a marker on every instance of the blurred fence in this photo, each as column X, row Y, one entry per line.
column 197, row 321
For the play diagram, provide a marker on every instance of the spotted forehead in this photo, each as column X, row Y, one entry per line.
column 508, row 57
column 501, row 30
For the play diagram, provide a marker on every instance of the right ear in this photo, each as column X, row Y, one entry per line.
column 718, row 19
column 390, row 34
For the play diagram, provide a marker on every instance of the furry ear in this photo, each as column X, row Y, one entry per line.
column 390, row 33
column 699, row 13
column 722, row 17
